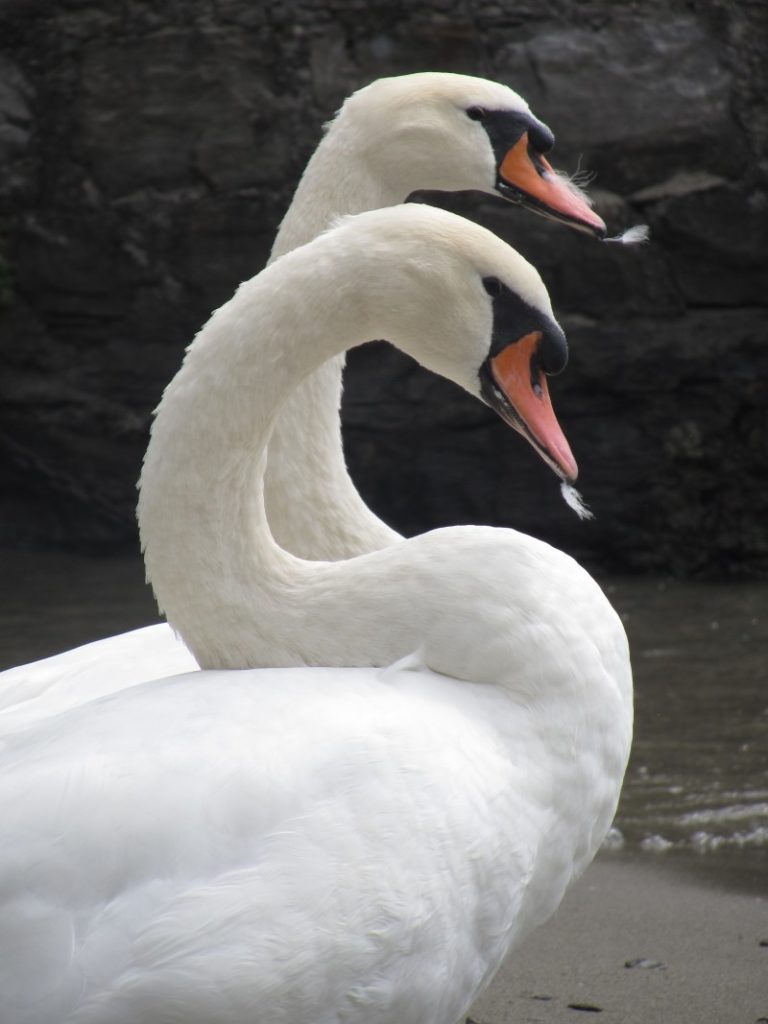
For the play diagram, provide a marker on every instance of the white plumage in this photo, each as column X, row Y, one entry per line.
column 310, row 845
column 391, row 138
column 30, row 693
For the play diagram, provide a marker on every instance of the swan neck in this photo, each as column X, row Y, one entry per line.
column 209, row 552
column 313, row 507
column 337, row 180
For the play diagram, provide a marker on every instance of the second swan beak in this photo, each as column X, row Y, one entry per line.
column 527, row 177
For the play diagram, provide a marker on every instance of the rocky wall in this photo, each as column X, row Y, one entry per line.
column 148, row 151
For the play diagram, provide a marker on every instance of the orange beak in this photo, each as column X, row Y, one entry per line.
column 524, row 385
column 544, row 191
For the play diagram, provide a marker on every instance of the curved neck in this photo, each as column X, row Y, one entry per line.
column 217, row 572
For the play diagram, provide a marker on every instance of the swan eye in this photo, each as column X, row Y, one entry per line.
column 476, row 113
column 492, row 285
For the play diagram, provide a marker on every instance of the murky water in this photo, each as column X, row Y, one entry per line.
column 698, row 775
column 697, row 787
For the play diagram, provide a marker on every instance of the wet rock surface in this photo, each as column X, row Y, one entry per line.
column 149, row 152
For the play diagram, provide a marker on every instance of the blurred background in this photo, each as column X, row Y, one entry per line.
column 148, row 152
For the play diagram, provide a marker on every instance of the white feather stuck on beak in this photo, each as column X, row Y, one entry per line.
column 575, row 501
column 632, row 236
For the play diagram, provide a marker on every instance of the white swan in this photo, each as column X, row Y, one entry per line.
column 308, row 845
column 397, row 135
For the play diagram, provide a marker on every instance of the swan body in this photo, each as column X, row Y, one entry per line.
column 389, row 139
column 30, row 693
column 367, row 839
column 351, row 844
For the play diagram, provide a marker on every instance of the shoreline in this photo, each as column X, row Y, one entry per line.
column 637, row 942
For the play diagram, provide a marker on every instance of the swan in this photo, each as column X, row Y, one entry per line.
column 396, row 135
column 435, row 131
column 364, row 833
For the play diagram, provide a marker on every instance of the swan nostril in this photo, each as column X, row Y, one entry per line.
column 535, row 157
column 537, row 373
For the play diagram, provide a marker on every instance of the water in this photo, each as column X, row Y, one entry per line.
column 696, row 792
column 697, row 782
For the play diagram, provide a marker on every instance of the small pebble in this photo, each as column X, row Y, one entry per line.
column 642, row 961
column 586, row 1007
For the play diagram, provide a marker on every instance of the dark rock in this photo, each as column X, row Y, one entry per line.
column 200, row 108
column 17, row 156
column 149, row 151
column 718, row 240
column 217, row 241
column 646, row 96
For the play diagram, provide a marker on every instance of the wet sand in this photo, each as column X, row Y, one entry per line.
column 694, row 952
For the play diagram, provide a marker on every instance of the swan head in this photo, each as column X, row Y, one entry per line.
column 451, row 133
column 469, row 307
column 527, row 346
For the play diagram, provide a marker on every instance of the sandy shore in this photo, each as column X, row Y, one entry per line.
column 695, row 954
